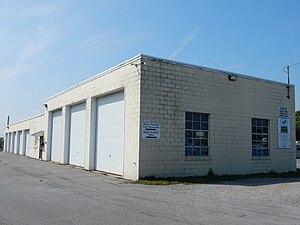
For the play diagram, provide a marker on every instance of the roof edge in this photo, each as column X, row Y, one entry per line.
column 149, row 57
column 24, row 120
column 193, row 66
column 120, row 65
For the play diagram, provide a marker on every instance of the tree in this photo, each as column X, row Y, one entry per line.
column 298, row 125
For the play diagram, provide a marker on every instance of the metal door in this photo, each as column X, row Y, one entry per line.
column 110, row 133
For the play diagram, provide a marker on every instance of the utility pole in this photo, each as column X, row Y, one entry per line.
column 288, row 86
column 287, row 70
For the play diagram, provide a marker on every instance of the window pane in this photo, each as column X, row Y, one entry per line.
column 259, row 137
column 204, row 151
column 196, row 151
column 189, row 142
column 265, row 145
column 254, row 122
column 196, row 116
column 188, row 116
column 253, row 129
column 196, row 125
column 265, row 152
column 204, row 117
column 204, row 126
column 196, row 142
column 253, row 144
column 265, row 130
column 254, row 152
column 188, row 134
column 188, row 125
column 259, row 123
column 265, row 123
column 258, row 152
column 265, row 138
column 204, row 142
column 200, row 134
column 204, row 134
column 259, row 130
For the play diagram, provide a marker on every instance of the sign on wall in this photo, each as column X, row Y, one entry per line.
column 283, row 112
column 150, row 130
column 284, row 137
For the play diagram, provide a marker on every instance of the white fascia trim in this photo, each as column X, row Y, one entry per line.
column 143, row 56
column 30, row 118
column 224, row 72
column 96, row 76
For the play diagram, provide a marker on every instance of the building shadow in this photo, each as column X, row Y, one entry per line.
column 254, row 182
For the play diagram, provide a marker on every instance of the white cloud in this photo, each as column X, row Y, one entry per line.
column 32, row 51
column 136, row 37
column 8, row 72
column 98, row 38
column 187, row 40
column 38, row 44
column 112, row 37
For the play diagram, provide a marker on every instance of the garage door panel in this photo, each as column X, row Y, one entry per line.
column 21, row 143
column 115, row 132
column 106, row 142
column 77, row 134
column 15, row 143
column 110, row 133
column 56, row 136
column 18, row 151
column 26, row 133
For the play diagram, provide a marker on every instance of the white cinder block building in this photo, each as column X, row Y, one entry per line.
column 154, row 117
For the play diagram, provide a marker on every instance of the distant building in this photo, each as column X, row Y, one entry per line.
column 154, row 117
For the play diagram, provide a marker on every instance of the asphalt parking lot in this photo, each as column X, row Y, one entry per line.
column 36, row 193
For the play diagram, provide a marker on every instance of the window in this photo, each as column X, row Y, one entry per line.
column 196, row 134
column 260, row 137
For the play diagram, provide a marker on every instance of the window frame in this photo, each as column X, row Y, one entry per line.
column 260, row 137
column 196, row 134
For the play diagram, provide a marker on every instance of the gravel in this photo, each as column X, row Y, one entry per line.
column 37, row 193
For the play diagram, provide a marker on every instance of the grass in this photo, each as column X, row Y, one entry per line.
column 211, row 178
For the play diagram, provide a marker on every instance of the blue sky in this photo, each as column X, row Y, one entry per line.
column 47, row 46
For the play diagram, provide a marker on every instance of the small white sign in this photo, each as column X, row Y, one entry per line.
column 283, row 112
column 284, row 138
column 150, row 130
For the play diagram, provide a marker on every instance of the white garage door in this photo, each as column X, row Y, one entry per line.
column 26, row 149
column 110, row 133
column 77, row 134
column 10, row 142
column 6, row 142
column 15, row 143
column 21, row 143
column 56, row 136
column 17, row 147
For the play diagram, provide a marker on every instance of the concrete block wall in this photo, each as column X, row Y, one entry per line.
column 17, row 131
column 125, row 77
column 162, row 91
column 169, row 89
